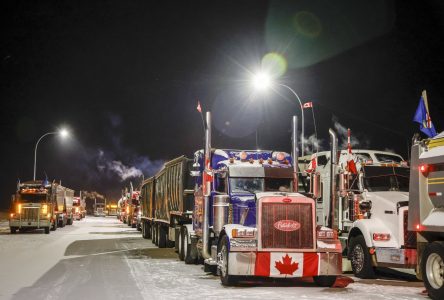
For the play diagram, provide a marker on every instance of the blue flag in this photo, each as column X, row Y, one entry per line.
column 422, row 116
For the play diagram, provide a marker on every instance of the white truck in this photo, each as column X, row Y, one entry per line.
column 371, row 207
column 426, row 216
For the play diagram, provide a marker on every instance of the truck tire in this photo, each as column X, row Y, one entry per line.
column 69, row 221
column 47, row 230
column 180, row 243
column 155, row 234
column 133, row 225
column 187, row 253
column 13, row 230
column 145, row 233
column 224, row 250
column 54, row 225
column 324, row 281
column 161, row 236
column 432, row 269
column 361, row 261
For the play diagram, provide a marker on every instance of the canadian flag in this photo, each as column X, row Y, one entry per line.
column 313, row 163
column 281, row 264
column 351, row 166
column 199, row 108
column 307, row 105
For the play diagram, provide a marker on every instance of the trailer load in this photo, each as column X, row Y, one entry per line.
column 426, row 211
column 240, row 213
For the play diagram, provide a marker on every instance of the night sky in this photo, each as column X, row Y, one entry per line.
column 125, row 77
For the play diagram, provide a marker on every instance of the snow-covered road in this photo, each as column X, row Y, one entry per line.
column 100, row 258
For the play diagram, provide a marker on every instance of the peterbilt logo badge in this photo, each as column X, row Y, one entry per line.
column 287, row 225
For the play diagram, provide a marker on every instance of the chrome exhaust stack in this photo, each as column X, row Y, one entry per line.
column 206, row 189
column 294, row 150
column 333, row 163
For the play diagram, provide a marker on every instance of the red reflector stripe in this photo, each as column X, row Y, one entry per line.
column 434, row 194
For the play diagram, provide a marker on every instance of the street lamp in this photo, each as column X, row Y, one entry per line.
column 262, row 81
column 62, row 132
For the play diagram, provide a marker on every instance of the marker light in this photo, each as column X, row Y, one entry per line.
column 424, row 169
column 280, row 156
column 19, row 208
column 243, row 155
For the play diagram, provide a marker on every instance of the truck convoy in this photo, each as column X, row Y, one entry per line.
column 370, row 205
column 426, row 216
column 39, row 204
column 240, row 213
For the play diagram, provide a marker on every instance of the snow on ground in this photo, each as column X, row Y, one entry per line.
column 101, row 258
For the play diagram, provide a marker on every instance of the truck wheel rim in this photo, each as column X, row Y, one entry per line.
column 185, row 244
column 224, row 261
column 180, row 243
column 358, row 258
column 435, row 270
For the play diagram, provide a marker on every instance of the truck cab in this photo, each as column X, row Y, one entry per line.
column 33, row 207
column 371, row 208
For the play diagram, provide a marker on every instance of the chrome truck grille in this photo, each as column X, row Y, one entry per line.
column 409, row 236
column 287, row 217
column 30, row 214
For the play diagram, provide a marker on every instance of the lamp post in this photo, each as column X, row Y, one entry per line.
column 63, row 133
column 262, row 81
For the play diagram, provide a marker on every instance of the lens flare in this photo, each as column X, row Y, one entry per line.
column 274, row 64
column 307, row 24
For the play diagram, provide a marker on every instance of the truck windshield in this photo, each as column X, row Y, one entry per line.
column 250, row 185
column 32, row 198
column 379, row 179
column 388, row 158
column 254, row 185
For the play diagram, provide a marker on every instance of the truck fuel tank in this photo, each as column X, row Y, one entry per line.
column 220, row 212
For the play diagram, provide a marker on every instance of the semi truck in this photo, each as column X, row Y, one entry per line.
column 79, row 208
column 370, row 205
column 241, row 216
column 40, row 205
column 132, row 207
column 426, row 211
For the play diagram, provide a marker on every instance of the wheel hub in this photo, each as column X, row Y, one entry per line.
column 435, row 270
column 358, row 258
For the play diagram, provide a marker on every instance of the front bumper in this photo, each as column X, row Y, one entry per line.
column 285, row 264
column 29, row 224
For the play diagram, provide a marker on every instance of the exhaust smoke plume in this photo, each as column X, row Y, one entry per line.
column 355, row 140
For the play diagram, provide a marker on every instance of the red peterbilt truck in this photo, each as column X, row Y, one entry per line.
column 79, row 208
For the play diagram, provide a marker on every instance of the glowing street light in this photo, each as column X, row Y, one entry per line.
column 262, row 81
column 63, row 134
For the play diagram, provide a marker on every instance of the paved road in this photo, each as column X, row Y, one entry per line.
column 100, row 258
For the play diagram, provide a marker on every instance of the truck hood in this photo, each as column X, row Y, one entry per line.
column 390, row 198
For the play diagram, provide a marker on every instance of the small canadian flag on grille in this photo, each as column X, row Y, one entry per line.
column 279, row 264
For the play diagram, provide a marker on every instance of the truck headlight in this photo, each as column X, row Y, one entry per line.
column 44, row 209
column 383, row 237
column 243, row 233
